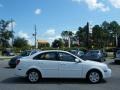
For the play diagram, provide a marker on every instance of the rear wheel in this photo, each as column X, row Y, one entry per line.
column 94, row 76
column 33, row 76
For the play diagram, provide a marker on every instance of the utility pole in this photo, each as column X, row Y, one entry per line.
column 69, row 39
column 87, row 35
column 69, row 42
column 116, row 37
column 35, row 34
column 12, row 31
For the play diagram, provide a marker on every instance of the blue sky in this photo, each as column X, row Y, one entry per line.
column 54, row 16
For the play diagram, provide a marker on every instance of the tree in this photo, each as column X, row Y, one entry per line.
column 98, row 36
column 84, row 36
column 115, row 28
column 5, row 34
column 67, row 35
column 57, row 43
column 21, row 43
column 108, row 36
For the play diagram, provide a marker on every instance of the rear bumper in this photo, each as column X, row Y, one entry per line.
column 12, row 64
column 107, row 73
column 20, row 72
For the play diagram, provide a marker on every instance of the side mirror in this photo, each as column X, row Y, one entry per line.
column 77, row 60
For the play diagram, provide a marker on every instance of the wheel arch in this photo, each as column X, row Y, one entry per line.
column 35, row 70
column 95, row 69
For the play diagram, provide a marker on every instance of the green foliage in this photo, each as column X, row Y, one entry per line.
column 21, row 43
column 65, row 36
column 102, row 35
column 57, row 43
column 5, row 34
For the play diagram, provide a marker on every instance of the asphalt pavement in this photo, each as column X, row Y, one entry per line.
column 8, row 81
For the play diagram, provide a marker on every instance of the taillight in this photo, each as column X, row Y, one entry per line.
column 17, row 62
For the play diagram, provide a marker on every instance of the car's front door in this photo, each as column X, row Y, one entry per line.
column 68, row 68
column 48, row 64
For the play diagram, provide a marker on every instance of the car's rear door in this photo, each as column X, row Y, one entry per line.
column 48, row 64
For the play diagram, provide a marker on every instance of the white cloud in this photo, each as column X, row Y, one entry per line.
column 23, row 35
column 11, row 25
column 74, row 31
column 115, row 3
column 50, row 33
column 94, row 4
column 1, row 5
column 38, row 11
column 51, row 39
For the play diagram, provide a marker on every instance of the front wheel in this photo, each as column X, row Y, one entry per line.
column 94, row 76
column 33, row 76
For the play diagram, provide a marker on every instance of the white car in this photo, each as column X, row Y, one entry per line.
column 60, row 64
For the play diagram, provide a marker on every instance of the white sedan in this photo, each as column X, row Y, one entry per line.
column 60, row 64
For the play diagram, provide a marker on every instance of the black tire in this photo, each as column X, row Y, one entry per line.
column 94, row 76
column 33, row 76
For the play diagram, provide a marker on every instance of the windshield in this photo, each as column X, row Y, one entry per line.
column 73, row 52
column 92, row 52
column 25, row 53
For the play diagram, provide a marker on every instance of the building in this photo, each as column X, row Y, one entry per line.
column 43, row 43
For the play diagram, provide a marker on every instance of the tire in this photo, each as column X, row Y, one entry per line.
column 94, row 76
column 33, row 76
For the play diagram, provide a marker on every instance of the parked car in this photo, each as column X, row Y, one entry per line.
column 95, row 55
column 7, row 53
column 77, row 53
column 115, row 51
column 12, row 62
column 60, row 64
column 117, row 59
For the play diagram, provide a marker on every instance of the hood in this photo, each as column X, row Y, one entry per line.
column 95, row 63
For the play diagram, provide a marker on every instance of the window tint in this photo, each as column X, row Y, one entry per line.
column 46, row 56
column 25, row 53
column 66, row 57
column 33, row 52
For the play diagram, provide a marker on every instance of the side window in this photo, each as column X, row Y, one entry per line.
column 66, row 57
column 46, row 56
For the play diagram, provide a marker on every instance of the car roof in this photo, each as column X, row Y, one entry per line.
column 50, row 51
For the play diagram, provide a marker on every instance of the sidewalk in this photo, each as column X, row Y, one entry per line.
column 5, row 57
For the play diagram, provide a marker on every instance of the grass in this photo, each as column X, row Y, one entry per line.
column 5, row 57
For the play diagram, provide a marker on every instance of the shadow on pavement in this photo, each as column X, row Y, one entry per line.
column 113, row 63
column 8, row 67
column 17, row 80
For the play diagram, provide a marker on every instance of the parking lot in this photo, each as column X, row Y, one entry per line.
column 8, row 81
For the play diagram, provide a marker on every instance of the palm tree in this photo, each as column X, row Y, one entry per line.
column 5, row 34
column 67, row 35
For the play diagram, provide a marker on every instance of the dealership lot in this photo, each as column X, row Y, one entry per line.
column 9, row 81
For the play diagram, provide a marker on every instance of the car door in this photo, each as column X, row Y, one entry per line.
column 68, row 67
column 48, row 64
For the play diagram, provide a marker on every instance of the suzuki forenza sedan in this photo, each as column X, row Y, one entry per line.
column 60, row 64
